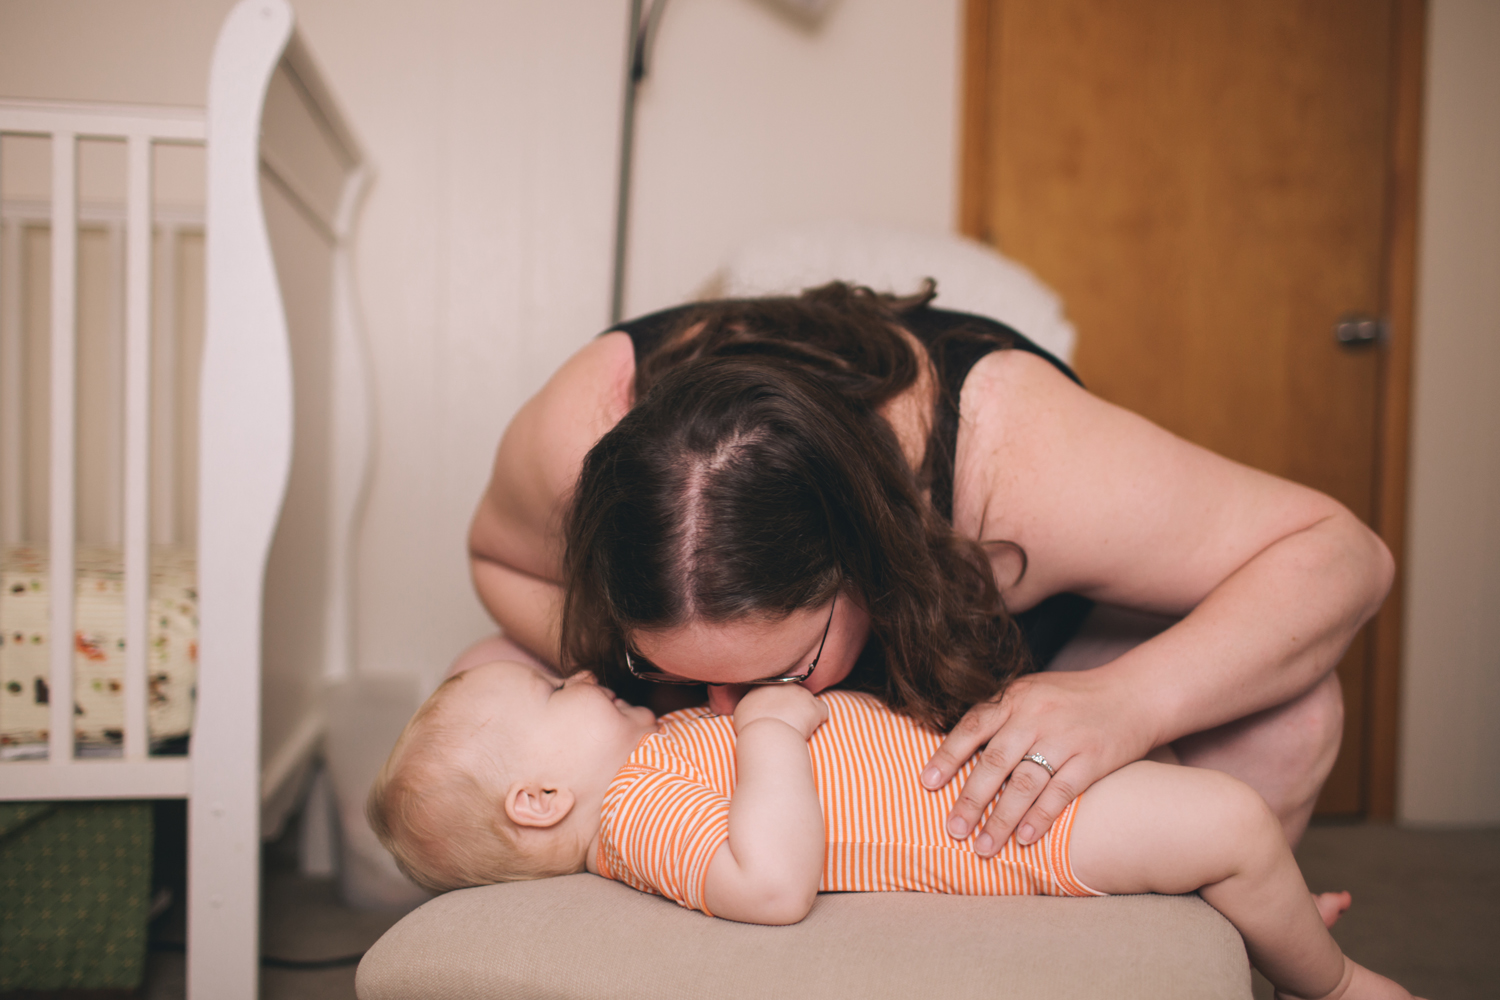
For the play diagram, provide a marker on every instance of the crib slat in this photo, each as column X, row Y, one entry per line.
column 165, row 529
column 10, row 380
column 106, row 495
column 64, row 358
column 12, row 393
column 137, row 442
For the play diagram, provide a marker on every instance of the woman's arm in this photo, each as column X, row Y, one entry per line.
column 1273, row 580
column 527, row 609
column 768, row 871
column 515, row 539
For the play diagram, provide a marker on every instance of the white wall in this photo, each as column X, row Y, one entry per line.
column 1450, row 759
column 483, row 257
column 749, row 123
column 134, row 51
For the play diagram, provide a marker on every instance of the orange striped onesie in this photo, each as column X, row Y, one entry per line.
column 667, row 812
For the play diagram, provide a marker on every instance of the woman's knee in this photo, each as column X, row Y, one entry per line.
column 1315, row 728
column 1308, row 738
column 1285, row 753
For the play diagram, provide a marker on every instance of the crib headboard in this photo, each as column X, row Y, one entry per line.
column 311, row 179
column 277, row 494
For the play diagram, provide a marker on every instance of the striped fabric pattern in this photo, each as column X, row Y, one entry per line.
column 667, row 812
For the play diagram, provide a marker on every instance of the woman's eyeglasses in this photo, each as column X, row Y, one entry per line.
column 644, row 670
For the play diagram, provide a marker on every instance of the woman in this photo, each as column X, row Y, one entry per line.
column 860, row 490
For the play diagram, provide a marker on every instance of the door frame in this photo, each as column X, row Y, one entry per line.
column 1398, row 294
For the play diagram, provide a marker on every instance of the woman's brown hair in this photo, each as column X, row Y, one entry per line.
column 755, row 476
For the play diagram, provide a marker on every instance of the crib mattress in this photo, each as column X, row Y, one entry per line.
column 99, row 649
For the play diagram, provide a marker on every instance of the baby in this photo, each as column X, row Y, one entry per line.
column 509, row 772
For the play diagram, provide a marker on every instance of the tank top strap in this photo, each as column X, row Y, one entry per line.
column 647, row 332
column 941, row 332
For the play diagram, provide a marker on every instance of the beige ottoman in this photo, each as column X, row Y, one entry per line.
column 585, row 937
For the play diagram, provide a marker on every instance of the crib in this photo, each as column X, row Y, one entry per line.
column 282, row 442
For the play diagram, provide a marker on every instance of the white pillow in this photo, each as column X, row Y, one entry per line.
column 971, row 277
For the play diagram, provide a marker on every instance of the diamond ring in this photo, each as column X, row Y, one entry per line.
column 1037, row 758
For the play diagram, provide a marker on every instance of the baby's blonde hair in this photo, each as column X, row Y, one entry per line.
column 440, row 819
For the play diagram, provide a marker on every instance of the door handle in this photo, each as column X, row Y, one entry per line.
column 1360, row 329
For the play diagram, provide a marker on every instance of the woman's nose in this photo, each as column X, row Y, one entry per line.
column 723, row 698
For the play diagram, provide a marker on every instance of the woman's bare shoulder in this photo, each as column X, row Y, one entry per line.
column 1012, row 409
column 590, row 392
column 542, row 450
column 1105, row 502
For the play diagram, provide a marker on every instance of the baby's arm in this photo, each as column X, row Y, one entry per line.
column 1161, row 828
column 768, row 871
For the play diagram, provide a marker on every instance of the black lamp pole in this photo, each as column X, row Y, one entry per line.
column 637, row 55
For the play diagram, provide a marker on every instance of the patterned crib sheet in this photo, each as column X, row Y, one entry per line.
column 99, row 649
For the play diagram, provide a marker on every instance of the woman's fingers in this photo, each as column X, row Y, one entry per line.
column 991, row 770
column 1028, row 806
column 1070, row 719
column 1025, row 785
column 973, row 731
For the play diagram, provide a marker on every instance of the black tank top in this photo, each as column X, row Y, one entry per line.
column 1046, row 627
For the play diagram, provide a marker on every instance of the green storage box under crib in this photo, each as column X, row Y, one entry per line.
column 75, row 894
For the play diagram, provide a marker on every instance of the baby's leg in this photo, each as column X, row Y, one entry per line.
column 1158, row 828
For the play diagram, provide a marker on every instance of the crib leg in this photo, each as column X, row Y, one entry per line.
column 223, row 892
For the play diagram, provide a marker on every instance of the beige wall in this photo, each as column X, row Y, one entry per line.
column 749, row 123
column 482, row 262
column 483, row 256
column 1450, row 761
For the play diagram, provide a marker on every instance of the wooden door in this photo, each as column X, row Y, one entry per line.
column 1207, row 184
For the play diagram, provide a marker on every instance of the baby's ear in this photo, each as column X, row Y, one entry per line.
column 531, row 804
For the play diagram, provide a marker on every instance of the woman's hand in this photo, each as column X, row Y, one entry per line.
column 1079, row 722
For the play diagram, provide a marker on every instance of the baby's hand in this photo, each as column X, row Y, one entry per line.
column 790, row 703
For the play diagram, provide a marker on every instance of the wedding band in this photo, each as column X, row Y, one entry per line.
column 1037, row 758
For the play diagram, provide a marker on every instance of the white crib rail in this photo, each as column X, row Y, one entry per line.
column 275, row 141
column 62, row 775
column 242, row 478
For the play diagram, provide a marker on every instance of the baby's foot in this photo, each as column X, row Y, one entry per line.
column 1331, row 905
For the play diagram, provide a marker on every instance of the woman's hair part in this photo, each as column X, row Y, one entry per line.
column 755, row 476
